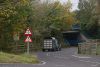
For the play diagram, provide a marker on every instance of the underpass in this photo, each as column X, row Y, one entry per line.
column 72, row 38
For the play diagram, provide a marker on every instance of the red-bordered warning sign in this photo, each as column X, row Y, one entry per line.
column 28, row 32
column 28, row 39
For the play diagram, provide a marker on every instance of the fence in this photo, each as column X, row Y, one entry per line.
column 89, row 47
column 22, row 48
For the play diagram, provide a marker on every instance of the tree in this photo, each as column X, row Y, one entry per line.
column 45, row 19
column 51, row 18
column 86, row 15
column 14, row 15
column 54, row 14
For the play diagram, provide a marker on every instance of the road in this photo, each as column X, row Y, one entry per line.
column 65, row 58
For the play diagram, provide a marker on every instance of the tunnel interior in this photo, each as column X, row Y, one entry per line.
column 71, row 37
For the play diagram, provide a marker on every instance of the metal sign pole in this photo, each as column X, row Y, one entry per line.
column 27, row 47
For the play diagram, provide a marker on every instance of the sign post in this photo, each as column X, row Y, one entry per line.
column 28, row 48
column 28, row 39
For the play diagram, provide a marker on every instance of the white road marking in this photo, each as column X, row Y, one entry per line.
column 43, row 62
column 80, row 56
column 61, row 57
column 90, row 62
column 48, row 54
column 94, row 65
column 83, row 57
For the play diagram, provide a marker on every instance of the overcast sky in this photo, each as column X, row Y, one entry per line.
column 74, row 3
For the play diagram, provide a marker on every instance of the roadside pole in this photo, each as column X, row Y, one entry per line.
column 28, row 39
column 28, row 48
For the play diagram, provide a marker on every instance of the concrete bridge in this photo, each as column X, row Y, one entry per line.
column 74, row 37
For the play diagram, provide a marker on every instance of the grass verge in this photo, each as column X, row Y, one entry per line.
column 11, row 58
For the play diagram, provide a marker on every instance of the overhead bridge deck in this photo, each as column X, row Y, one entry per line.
column 73, row 37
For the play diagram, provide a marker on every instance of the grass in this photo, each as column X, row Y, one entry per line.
column 11, row 58
column 98, row 50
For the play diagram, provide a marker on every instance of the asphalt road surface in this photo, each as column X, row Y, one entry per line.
column 65, row 58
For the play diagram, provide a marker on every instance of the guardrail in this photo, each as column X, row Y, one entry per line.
column 90, row 47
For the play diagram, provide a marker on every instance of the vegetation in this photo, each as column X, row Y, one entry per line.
column 88, row 15
column 13, row 20
column 44, row 19
column 50, row 19
column 11, row 58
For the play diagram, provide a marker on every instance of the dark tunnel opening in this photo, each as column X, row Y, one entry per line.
column 72, row 38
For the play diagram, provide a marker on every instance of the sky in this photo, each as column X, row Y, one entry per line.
column 74, row 3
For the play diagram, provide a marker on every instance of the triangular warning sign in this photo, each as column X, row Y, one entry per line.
column 28, row 32
column 28, row 39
